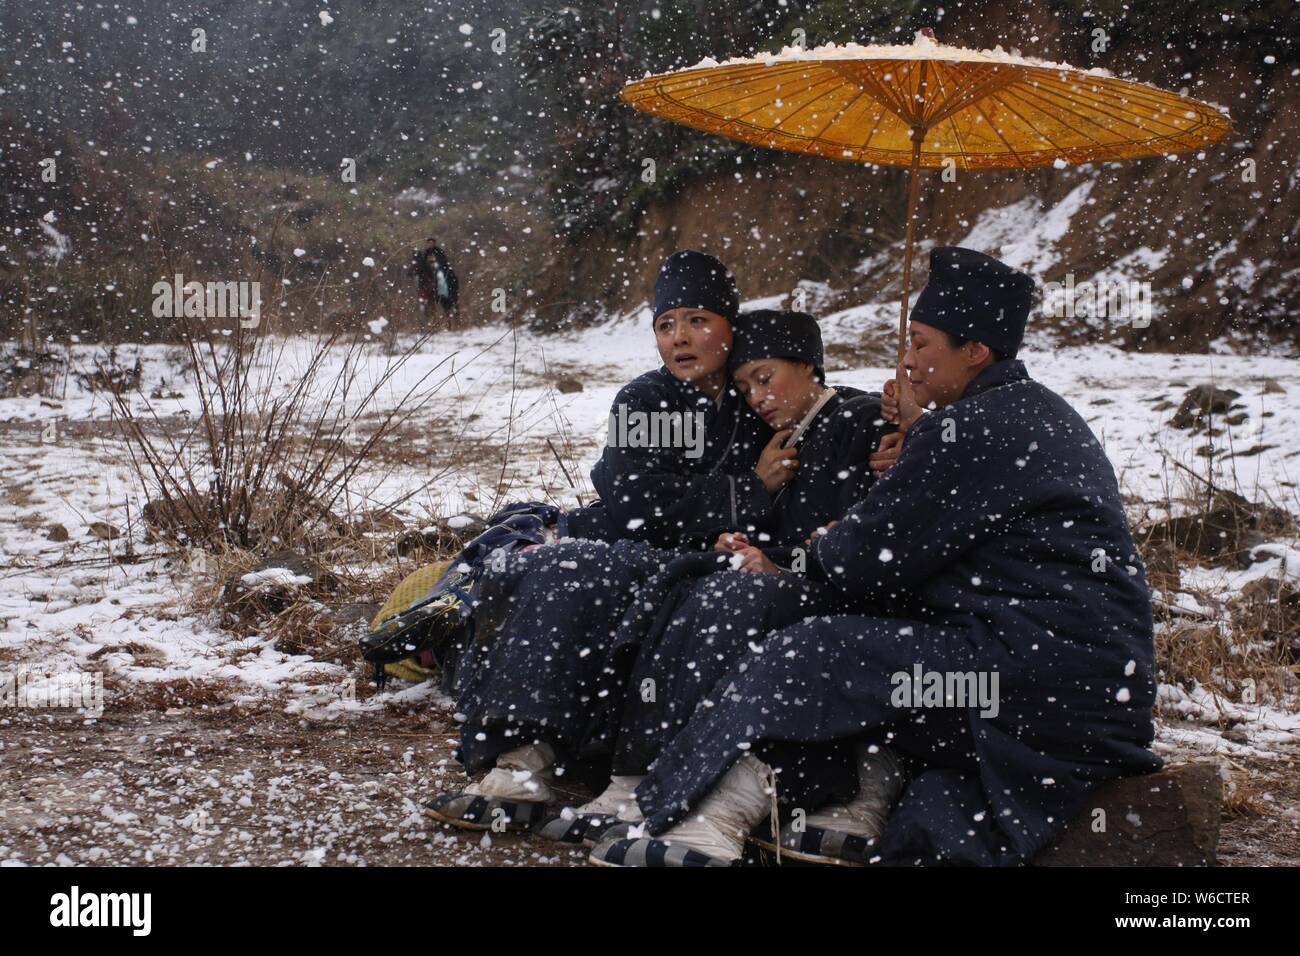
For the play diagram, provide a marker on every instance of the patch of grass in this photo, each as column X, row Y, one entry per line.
column 1240, row 640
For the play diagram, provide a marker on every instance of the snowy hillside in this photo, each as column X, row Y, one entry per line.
column 83, row 590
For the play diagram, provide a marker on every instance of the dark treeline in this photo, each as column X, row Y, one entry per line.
column 505, row 112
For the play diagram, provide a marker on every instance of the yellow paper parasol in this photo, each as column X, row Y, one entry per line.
column 928, row 105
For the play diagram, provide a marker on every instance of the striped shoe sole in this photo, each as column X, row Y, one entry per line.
column 802, row 857
column 618, row 830
column 820, row 846
column 579, row 829
column 474, row 812
column 648, row 852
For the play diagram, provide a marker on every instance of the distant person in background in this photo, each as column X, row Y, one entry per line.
column 438, row 281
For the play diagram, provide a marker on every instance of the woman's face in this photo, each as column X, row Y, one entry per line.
column 780, row 390
column 940, row 373
column 694, row 344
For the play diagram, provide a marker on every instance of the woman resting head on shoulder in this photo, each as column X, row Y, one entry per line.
column 832, row 436
column 776, row 367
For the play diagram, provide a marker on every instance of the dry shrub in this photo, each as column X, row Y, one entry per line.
column 31, row 370
column 178, row 692
column 1251, row 636
column 111, row 374
column 1187, row 653
column 1224, row 658
column 266, row 466
column 1243, row 798
column 262, row 473
column 246, row 609
column 323, row 620
column 309, row 628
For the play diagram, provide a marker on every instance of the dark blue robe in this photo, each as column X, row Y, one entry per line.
column 688, row 627
column 662, row 496
column 548, row 620
column 996, row 544
column 658, row 494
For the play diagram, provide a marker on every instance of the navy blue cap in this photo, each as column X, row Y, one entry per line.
column 696, row 280
column 772, row 333
column 973, row 296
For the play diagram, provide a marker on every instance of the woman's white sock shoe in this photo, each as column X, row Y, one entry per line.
column 880, row 783
column 618, row 800
column 524, row 774
column 723, row 819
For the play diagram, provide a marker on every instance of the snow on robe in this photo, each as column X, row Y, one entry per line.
column 659, row 494
column 548, row 618
column 664, row 495
column 997, row 544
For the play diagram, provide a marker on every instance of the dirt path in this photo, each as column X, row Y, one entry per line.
column 237, row 786
column 255, row 786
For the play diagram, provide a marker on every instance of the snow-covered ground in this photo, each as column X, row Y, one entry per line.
column 62, row 464
column 63, row 608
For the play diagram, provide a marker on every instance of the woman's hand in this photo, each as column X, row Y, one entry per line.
column 904, row 399
column 889, row 402
column 776, row 465
column 731, row 542
column 821, row 531
column 884, row 457
column 756, row 562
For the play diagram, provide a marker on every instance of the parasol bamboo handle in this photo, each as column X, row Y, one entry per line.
column 913, row 185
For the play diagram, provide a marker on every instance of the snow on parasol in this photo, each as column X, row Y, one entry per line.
column 928, row 105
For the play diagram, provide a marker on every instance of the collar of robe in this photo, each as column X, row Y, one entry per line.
column 696, row 395
column 806, row 422
column 801, row 430
column 1006, row 372
column 718, row 410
